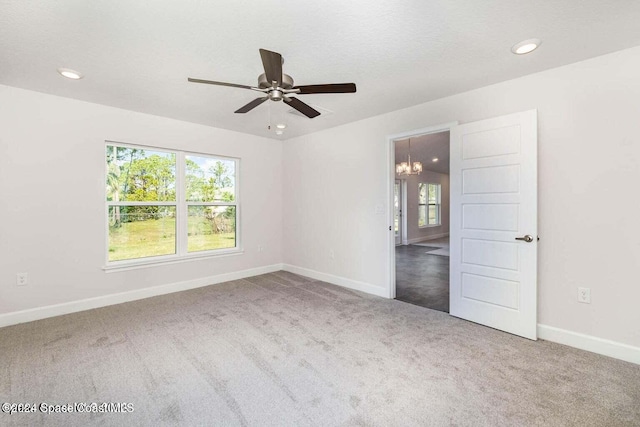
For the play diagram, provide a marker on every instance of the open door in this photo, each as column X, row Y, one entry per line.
column 493, row 227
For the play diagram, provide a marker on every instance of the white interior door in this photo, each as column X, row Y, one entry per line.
column 397, row 211
column 493, row 204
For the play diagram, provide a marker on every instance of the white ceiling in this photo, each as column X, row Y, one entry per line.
column 423, row 149
column 137, row 55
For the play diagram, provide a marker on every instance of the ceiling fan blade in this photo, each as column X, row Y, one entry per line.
column 302, row 107
column 329, row 88
column 250, row 106
column 211, row 82
column 272, row 62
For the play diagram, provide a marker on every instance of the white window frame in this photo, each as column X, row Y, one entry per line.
column 438, row 205
column 181, row 206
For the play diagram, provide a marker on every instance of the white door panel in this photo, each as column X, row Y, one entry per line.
column 485, row 253
column 495, row 142
column 493, row 201
column 490, row 291
column 491, row 180
column 490, row 216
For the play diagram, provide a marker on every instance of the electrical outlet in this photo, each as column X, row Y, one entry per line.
column 22, row 279
column 584, row 295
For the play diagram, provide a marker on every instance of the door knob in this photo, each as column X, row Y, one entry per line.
column 527, row 238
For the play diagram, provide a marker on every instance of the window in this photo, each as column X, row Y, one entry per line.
column 168, row 204
column 428, row 204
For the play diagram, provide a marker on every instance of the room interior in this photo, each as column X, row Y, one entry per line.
column 422, row 252
column 296, row 324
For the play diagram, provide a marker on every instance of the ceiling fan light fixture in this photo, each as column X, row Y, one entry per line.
column 70, row 74
column 526, row 46
column 276, row 95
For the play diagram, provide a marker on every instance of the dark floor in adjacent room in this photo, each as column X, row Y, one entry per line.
column 422, row 279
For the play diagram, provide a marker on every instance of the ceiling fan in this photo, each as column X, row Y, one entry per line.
column 277, row 86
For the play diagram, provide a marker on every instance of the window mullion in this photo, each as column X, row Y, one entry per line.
column 137, row 203
column 182, row 219
column 211, row 203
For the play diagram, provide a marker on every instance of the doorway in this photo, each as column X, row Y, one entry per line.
column 493, row 220
column 421, row 220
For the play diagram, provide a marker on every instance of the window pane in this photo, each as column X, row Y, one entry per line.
column 433, row 214
column 211, row 227
column 422, row 193
column 421, row 215
column 210, row 179
column 135, row 174
column 141, row 231
column 433, row 193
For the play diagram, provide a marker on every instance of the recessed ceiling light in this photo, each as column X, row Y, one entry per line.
column 526, row 46
column 70, row 74
column 281, row 126
column 435, row 159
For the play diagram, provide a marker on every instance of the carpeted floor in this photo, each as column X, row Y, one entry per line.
column 281, row 349
column 421, row 278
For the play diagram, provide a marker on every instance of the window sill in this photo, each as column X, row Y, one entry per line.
column 166, row 260
column 430, row 226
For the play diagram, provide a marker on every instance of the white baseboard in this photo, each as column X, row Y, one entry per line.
column 337, row 280
column 425, row 239
column 119, row 298
column 573, row 339
column 590, row 343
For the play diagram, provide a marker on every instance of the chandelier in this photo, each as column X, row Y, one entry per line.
column 407, row 168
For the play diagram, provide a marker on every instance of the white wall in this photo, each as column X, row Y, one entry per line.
column 52, row 197
column 589, row 172
column 415, row 233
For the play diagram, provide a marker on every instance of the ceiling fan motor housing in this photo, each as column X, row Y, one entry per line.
column 263, row 83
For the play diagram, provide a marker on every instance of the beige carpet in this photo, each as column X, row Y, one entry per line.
column 279, row 349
